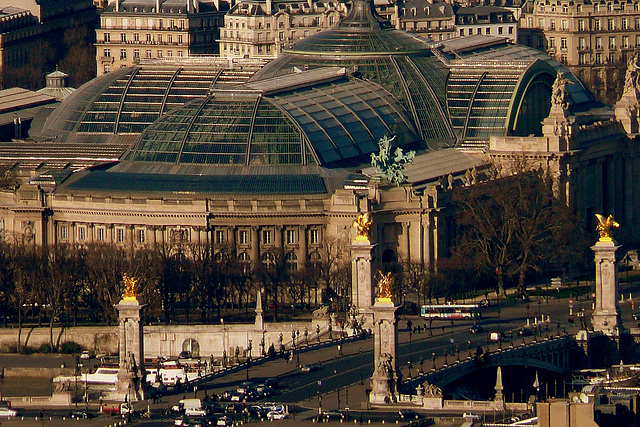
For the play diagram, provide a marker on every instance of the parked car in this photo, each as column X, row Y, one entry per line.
column 310, row 367
column 224, row 421
column 334, row 414
column 409, row 414
column 277, row 415
column 86, row 355
column 524, row 332
column 81, row 415
column 195, row 412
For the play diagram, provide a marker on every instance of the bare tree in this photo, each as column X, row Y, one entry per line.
column 509, row 226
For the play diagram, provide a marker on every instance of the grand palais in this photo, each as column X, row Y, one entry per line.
column 276, row 156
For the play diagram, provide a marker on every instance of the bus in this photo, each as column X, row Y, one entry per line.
column 450, row 311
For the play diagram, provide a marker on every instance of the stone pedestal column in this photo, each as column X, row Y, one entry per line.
column 606, row 316
column 131, row 374
column 362, row 278
column 386, row 375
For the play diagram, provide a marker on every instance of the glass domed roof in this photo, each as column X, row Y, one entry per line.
column 360, row 32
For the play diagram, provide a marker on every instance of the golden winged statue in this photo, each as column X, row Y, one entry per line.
column 129, row 293
column 604, row 227
column 362, row 224
column 385, row 282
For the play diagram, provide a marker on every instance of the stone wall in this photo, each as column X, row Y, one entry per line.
column 170, row 340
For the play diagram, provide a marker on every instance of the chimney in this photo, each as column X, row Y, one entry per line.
column 158, row 4
column 117, row 5
column 189, row 6
column 196, row 6
column 269, row 7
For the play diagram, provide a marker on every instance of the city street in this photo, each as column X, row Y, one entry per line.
column 341, row 380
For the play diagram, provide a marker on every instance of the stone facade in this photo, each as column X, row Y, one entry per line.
column 593, row 39
column 258, row 29
column 150, row 29
column 28, row 26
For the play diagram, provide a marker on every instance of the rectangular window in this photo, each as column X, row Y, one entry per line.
column 170, row 38
column 581, row 25
column 149, row 38
column 552, row 25
column 169, row 53
column 582, row 43
column 638, row 40
column 611, row 24
column 582, row 59
column 159, row 54
column 107, row 37
column 141, row 235
column 612, row 42
column 219, row 236
column 625, row 42
column 136, row 37
column 63, row 232
column 612, row 57
column 625, row 24
column 461, row 32
column 180, row 54
column 563, row 43
column 148, row 53
column 244, row 237
column 180, row 39
column 107, row 52
column 123, row 37
column 564, row 25
column 120, row 235
column 597, row 25
column 314, row 236
column 598, row 60
column 266, row 237
column 291, row 237
column 598, row 42
column 100, row 233
column 136, row 53
column 82, row 233
column 552, row 42
column 159, row 38
column 499, row 30
column 487, row 31
column 123, row 53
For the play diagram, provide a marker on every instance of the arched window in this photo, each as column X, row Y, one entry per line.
column 292, row 261
column 191, row 347
column 268, row 260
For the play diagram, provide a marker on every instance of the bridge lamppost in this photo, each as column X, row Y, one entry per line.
column 433, row 358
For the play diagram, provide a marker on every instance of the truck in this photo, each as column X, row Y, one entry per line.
column 191, row 405
column 123, row 409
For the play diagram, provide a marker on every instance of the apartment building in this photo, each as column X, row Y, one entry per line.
column 487, row 20
column 134, row 29
column 428, row 18
column 32, row 37
column 593, row 38
column 260, row 29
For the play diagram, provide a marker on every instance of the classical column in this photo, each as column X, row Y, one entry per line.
column 303, row 254
column 406, row 241
column 606, row 316
column 255, row 244
column 386, row 375
column 131, row 374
